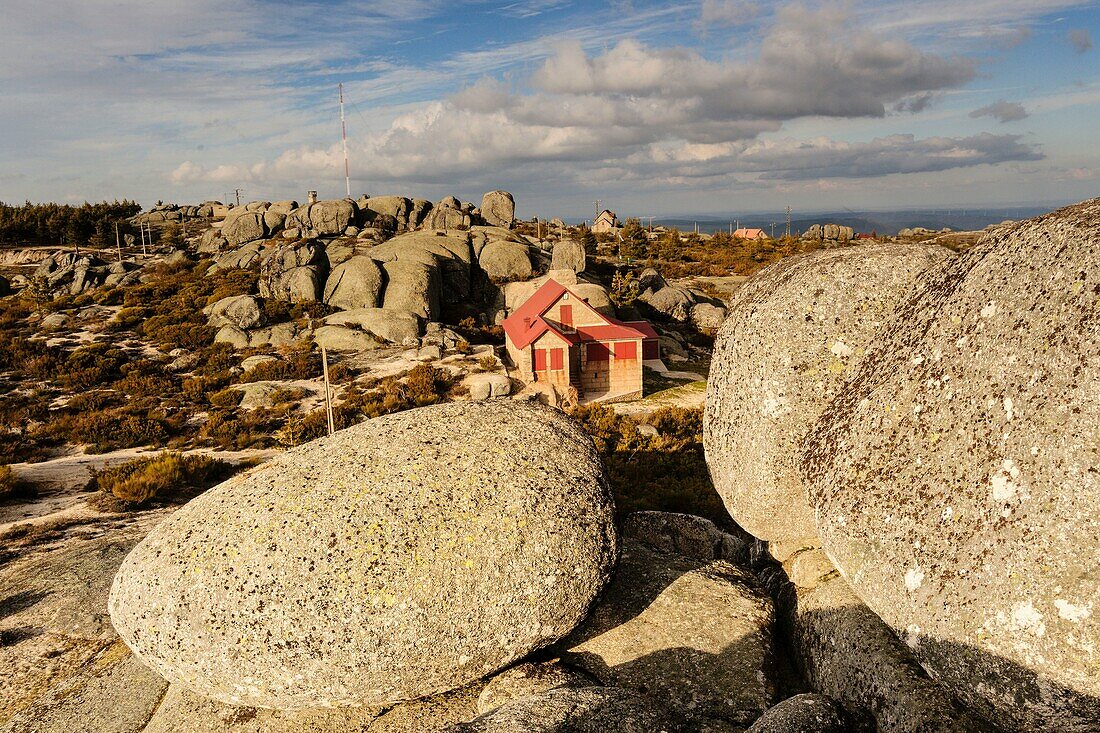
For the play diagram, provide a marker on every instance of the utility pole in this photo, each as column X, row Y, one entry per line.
column 237, row 193
column 344, row 137
column 328, row 391
column 118, row 244
column 773, row 229
column 597, row 202
column 788, row 234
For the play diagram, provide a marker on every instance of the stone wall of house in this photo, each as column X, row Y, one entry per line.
column 557, row 377
column 616, row 376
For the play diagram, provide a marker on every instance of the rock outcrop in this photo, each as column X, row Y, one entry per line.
column 430, row 548
column 294, row 272
column 568, row 254
column 323, row 218
column 242, row 311
column 394, row 326
column 498, row 209
column 681, row 624
column 955, row 478
column 797, row 330
column 354, row 283
column 505, row 261
column 577, row 710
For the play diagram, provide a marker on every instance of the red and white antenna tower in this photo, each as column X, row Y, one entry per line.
column 344, row 137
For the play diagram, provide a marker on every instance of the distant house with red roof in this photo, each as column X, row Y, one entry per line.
column 750, row 234
column 557, row 337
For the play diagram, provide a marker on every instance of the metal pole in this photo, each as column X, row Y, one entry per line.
column 328, row 391
column 118, row 245
column 344, row 137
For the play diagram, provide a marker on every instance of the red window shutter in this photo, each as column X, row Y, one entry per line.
column 626, row 350
column 567, row 316
column 540, row 360
column 650, row 349
column 597, row 352
column 556, row 359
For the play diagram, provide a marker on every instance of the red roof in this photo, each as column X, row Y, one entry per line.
column 643, row 326
column 527, row 323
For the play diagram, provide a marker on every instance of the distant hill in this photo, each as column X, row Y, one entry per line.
column 882, row 222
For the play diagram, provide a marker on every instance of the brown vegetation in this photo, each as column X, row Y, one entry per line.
column 166, row 477
column 666, row 472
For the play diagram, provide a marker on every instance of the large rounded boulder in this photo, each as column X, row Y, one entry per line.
column 795, row 332
column 354, row 283
column 498, row 209
column 956, row 477
column 402, row 557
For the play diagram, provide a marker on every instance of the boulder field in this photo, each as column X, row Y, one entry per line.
column 402, row 557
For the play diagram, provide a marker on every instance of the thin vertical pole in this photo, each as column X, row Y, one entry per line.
column 328, row 391
column 118, row 244
column 344, row 137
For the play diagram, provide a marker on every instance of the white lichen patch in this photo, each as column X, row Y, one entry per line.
column 989, row 311
column 914, row 578
column 774, row 405
column 1010, row 408
column 841, row 350
column 1072, row 612
column 1028, row 618
column 1005, row 483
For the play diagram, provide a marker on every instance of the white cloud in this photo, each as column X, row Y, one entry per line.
column 1002, row 111
column 727, row 13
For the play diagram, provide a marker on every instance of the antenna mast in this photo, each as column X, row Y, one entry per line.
column 344, row 138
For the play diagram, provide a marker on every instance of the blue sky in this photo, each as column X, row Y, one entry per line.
column 654, row 108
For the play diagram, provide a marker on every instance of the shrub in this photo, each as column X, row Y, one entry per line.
column 666, row 472
column 225, row 398
column 166, row 476
column 427, row 385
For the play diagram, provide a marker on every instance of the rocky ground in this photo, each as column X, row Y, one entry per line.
column 902, row 454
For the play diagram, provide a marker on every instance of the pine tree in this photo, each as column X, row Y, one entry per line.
column 587, row 239
column 632, row 244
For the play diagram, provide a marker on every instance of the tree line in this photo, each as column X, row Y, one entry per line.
column 88, row 224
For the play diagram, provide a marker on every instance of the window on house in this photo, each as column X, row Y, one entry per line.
column 626, row 350
column 597, row 352
column 566, row 312
column 540, row 360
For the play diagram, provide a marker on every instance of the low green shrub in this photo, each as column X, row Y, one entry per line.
column 167, row 476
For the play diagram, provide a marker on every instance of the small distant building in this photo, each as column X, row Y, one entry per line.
column 606, row 223
column 750, row 234
column 557, row 337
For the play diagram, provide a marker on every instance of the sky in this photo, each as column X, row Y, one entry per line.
column 655, row 109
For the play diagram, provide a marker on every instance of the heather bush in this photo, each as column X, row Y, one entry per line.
column 166, row 477
column 666, row 472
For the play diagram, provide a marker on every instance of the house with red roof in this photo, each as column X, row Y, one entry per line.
column 750, row 234
column 556, row 337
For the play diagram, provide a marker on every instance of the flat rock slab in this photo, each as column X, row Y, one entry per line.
column 694, row 634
